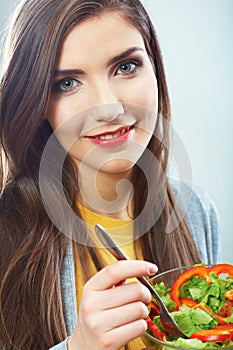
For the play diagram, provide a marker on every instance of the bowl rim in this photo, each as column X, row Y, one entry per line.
column 167, row 344
column 176, row 269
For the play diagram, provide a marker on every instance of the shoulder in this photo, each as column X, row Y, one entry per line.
column 193, row 198
column 202, row 218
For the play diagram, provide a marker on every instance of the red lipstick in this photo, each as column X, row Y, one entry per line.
column 114, row 138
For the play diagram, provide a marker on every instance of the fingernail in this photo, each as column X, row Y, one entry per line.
column 152, row 269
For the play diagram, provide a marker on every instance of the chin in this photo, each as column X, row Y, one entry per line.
column 117, row 166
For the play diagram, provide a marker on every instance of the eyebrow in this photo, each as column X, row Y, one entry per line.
column 123, row 55
column 113, row 60
column 69, row 72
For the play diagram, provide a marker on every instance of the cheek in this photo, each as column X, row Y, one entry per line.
column 66, row 120
column 145, row 93
column 61, row 110
column 147, row 96
column 54, row 114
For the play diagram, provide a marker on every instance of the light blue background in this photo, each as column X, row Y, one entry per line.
column 196, row 37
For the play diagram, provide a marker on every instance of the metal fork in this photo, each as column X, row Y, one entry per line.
column 166, row 319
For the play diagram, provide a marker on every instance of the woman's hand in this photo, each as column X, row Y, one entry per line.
column 112, row 312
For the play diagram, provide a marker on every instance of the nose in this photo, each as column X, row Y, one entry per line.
column 108, row 112
column 106, row 102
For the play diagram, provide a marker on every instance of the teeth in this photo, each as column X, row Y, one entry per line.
column 112, row 136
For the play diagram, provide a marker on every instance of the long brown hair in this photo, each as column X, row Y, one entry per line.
column 32, row 248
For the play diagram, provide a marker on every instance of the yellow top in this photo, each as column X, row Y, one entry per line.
column 122, row 234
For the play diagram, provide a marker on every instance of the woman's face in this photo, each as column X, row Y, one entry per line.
column 103, row 104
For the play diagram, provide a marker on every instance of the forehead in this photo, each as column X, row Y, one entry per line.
column 105, row 35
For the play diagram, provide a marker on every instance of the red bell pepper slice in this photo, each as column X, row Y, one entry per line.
column 222, row 268
column 155, row 329
column 154, row 309
column 217, row 334
column 200, row 271
column 188, row 302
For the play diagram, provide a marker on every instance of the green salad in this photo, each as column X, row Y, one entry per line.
column 201, row 302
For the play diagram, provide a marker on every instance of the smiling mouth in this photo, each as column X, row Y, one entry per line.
column 112, row 138
column 112, row 135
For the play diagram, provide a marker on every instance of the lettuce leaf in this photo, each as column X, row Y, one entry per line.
column 211, row 294
column 164, row 293
column 192, row 344
column 192, row 320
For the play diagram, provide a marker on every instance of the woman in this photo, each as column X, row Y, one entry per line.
column 84, row 109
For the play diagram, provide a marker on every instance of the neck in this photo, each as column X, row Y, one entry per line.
column 106, row 194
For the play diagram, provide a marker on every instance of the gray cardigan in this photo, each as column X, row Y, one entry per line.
column 203, row 221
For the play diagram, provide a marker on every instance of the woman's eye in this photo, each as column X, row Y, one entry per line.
column 128, row 67
column 66, row 85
